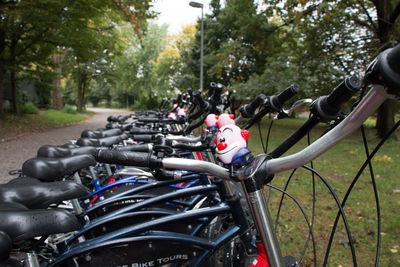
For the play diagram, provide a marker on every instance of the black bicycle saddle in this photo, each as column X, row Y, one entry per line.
column 49, row 151
column 100, row 134
column 107, row 141
column 35, row 194
column 50, row 169
column 20, row 223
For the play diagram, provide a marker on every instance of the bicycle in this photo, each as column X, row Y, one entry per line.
column 385, row 77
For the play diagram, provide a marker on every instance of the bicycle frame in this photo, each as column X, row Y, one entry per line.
column 143, row 231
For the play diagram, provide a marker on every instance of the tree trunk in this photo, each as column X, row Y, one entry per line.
column 81, row 90
column 1, row 89
column 56, row 94
column 57, row 99
column 385, row 119
column 14, row 92
column 2, row 70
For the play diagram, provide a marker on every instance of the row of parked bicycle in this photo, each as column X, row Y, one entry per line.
column 147, row 191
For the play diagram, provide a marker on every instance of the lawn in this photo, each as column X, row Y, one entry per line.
column 12, row 125
column 338, row 166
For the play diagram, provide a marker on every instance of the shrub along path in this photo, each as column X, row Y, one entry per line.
column 15, row 151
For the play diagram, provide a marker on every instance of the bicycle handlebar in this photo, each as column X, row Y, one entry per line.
column 368, row 105
column 247, row 111
column 354, row 120
column 271, row 103
column 279, row 100
column 198, row 99
column 135, row 148
column 328, row 107
column 127, row 158
column 385, row 69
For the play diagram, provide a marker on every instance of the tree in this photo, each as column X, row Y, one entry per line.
column 238, row 40
column 92, row 49
column 349, row 33
column 32, row 31
column 388, row 33
column 171, row 67
column 23, row 28
column 135, row 79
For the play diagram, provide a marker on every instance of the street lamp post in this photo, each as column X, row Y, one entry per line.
column 199, row 5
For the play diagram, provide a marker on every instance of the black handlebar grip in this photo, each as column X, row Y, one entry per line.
column 127, row 158
column 125, row 127
column 190, row 92
column 188, row 147
column 393, row 58
column 144, row 138
column 277, row 101
column 203, row 105
column 210, row 90
column 135, row 148
column 328, row 107
column 344, row 91
column 388, row 68
column 288, row 93
column 216, row 97
column 247, row 111
column 138, row 130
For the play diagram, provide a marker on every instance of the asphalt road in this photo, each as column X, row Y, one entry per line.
column 14, row 153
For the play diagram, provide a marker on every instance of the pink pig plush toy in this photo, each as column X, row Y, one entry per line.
column 182, row 113
column 211, row 122
column 225, row 119
column 172, row 115
column 231, row 144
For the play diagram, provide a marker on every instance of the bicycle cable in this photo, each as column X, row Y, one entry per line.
column 302, row 211
column 367, row 161
column 341, row 211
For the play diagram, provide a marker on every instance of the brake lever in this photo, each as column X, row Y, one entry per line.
column 285, row 113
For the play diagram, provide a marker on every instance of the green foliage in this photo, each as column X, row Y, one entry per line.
column 238, row 39
column 61, row 118
column 136, row 79
column 32, row 32
column 69, row 109
column 99, row 91
column 28, row 108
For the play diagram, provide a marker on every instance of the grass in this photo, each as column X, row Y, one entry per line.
column 338, row 166
column 12, row 124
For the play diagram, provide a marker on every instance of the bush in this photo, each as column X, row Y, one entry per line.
column 28, row 108
column 69, row 109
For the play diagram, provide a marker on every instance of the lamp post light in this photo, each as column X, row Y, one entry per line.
column 199, row 5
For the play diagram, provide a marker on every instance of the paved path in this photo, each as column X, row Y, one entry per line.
column 14, row 153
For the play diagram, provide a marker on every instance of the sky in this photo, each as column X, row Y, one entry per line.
column 176, row 13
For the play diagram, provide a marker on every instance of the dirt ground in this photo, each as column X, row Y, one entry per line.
column 15, row 151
